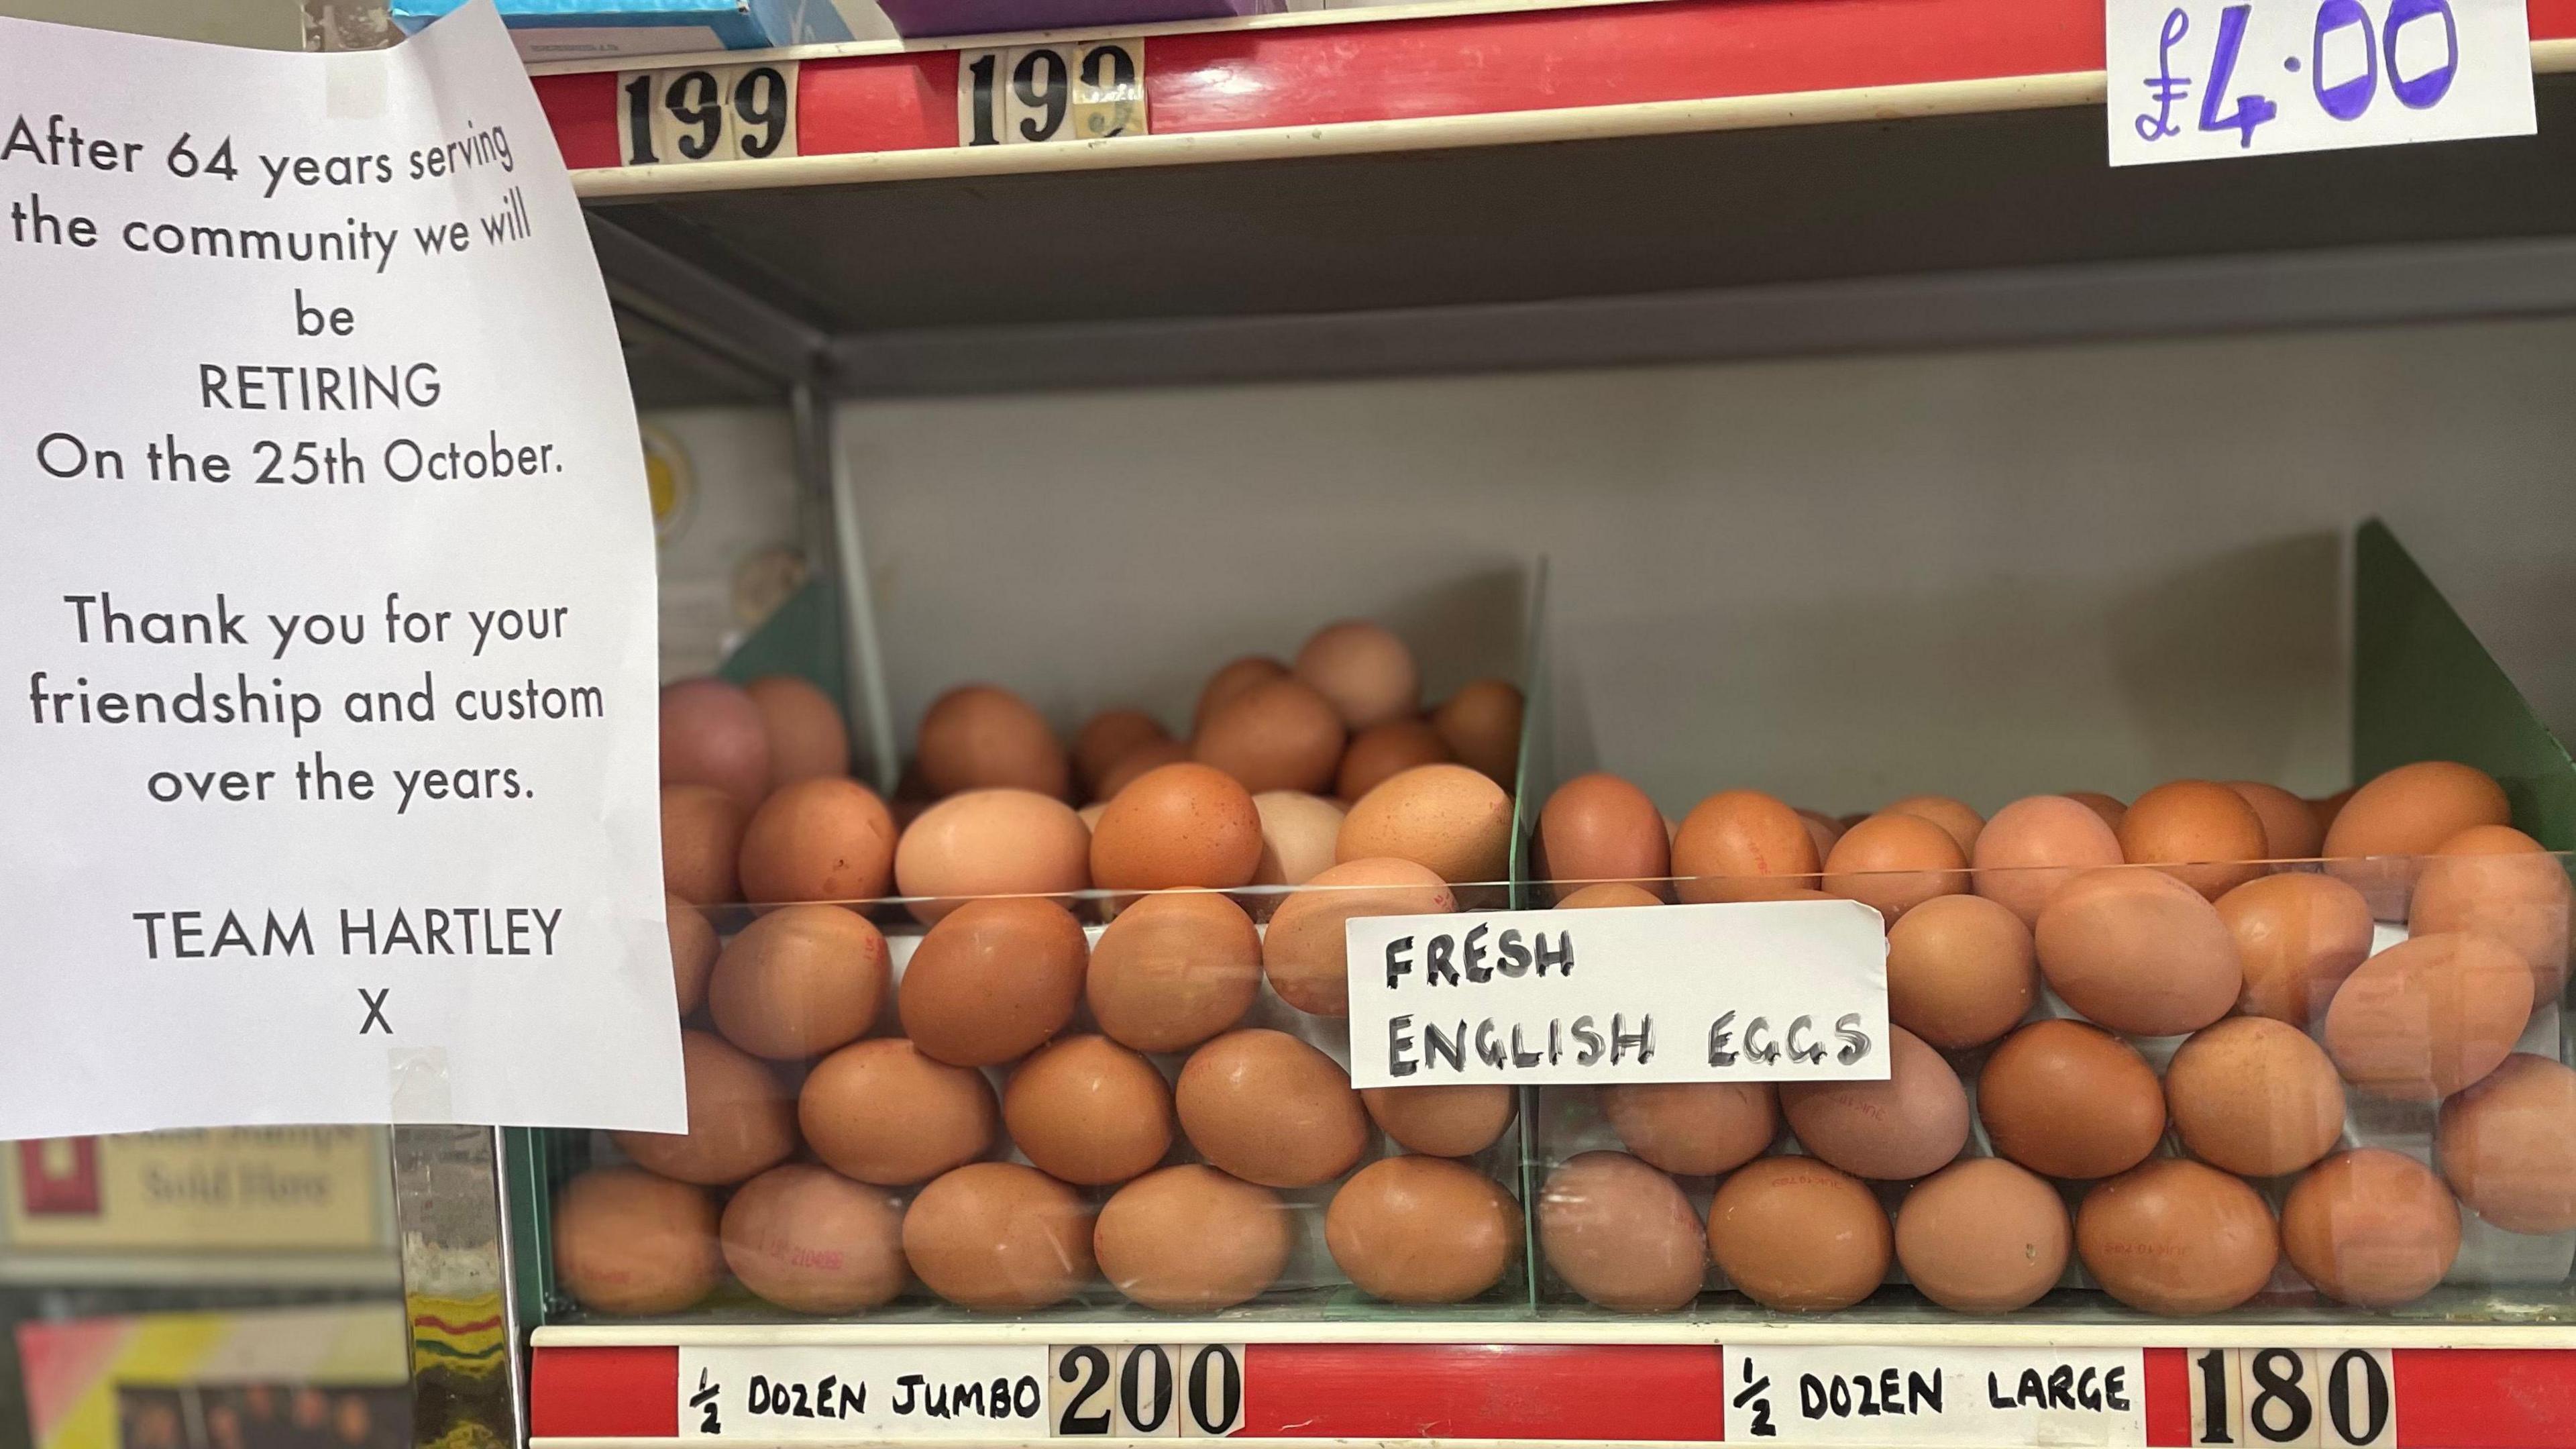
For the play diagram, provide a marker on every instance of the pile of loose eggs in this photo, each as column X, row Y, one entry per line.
column 1095, row 1049
column 2175, row 1042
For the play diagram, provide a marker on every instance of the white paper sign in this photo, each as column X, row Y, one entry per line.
column 327, row 778
column 1983, row 1396
column 2198, row 80
column 863, row 1394
column 1792, row 991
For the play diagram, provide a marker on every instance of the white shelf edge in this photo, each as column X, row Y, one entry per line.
column 1540, row 1332
column 1354, row 138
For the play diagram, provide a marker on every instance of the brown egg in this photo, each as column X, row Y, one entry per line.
column 2412, row 809
column 2495, row 881
column 2177, row 1238
column 1598, row 827
column 1908, row 1126
column 808, row 738
column 1983, row 1236
column 1796, row 1235
column 1963, row 823
column 1270, row 1109
column 712, row 734
column 693, row 950
column 628, row 1242
column 1446, row 817
column 1278, row 735
column 1089, row 1111
column 2138, row 952
column 741, row 1118
column 1231, row 680
column 1190, row 1239
column 2290, row 828
column 1106, row 738
column 1422, row 1230
column 1694, row 1129
column 1621, row 1234
column 993, row 981
column 701, row 840
column 812, row 1241
column 2326, row 807
column 1177, row 825
column 2254, row 1096
column 1151, row 755
column 1450, row 1121
column 1481, row 724
column 2298, row 936
column 1305, row 951
column 1893, row 863
column 1960, row 971
column 999, row 1236
column 2034, row 846
column 2371, row 1228
column 881, row 1112
column 1365, row 671
column 2198, row 831
column 799, row 981
column 1387, row 749
column 1608, row 895
column 2069, row 1100
column 2108, row 807
column 819, row 840
column 2508, row 1145
column 1822, row 829
column 1297, row 835
column 1742, row 845
column 2428, row 1016
column 1173, row 970
column 978, row 737
column 991, row 843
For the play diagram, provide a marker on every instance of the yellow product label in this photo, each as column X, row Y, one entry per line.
column 298, row 1189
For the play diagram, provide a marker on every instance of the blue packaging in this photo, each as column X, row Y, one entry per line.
column 596, row 29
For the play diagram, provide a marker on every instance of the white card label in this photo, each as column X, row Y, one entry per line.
column 855, row 1395
column 326, row 601
column 2198, row 80
column 1891, row 1396
column 1762, row 991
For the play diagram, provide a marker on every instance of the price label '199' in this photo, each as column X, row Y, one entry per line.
column 2197, row 80
column 706, row 113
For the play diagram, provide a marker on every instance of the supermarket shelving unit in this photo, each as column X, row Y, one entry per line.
column 1439, row 188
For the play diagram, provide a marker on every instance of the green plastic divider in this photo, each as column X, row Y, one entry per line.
column 802, row 638
column 1529, row 784
column 2424, row 688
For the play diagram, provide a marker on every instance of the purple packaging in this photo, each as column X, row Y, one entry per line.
column 987, row 17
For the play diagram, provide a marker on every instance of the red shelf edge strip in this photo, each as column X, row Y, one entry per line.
column 1662, row 1393
column 604, row 1393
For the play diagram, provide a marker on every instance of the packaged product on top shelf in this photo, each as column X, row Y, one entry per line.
column 976, row 1047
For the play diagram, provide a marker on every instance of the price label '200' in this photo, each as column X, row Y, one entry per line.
column 2201, row 79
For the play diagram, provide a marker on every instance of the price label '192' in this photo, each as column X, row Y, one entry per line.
column 1086, row 90
column 2194, row 80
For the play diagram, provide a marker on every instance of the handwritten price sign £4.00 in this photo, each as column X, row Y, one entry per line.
column 2194, row 80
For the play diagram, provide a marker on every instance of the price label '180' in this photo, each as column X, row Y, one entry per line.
column 2194, row 80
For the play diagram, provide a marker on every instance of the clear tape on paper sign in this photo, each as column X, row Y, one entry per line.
column 327, row 742
column 1785, row 991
